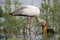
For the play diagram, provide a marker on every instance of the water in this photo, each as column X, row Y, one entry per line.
column 40, row 37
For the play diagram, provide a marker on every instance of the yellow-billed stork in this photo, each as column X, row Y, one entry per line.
column 31, row 11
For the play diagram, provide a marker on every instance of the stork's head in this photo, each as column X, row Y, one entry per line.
column 43, row 25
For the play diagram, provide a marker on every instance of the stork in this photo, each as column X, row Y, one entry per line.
column 30, row 11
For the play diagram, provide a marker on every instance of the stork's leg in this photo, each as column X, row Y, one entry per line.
column 30, row 26
column 27, row 24
column 43, row 24
column 29, row 21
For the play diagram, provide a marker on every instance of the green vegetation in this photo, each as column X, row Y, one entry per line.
column 59, row 38
column 50, row 12
column 12, row 25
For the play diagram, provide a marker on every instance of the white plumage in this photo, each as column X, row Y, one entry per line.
column 27, row 11
column 31, row 10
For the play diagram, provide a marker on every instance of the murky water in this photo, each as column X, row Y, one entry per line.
column 39, row 37
column 26, row 36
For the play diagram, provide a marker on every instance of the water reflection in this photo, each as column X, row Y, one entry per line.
column 40, row 37
column 50, row 36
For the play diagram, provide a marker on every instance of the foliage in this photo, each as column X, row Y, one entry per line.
column 59, row 38
column 12, row 39
column 49, row 13
column 10, row 24
column 17, row 4
column 1, row 11
column 7, row 6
